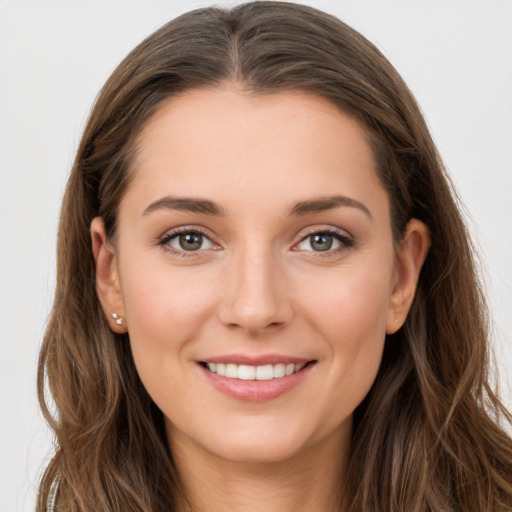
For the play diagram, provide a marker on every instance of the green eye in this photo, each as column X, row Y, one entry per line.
column 321, row 242
column 324, row 241
column 188, row 241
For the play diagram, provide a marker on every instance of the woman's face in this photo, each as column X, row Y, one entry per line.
column 256, row 271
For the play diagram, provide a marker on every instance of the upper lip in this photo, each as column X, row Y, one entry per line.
column 257, row 360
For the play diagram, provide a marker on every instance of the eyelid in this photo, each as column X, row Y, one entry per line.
column 163, row 240
column 342, row 236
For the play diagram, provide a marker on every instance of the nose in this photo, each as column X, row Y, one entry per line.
column 255, row 298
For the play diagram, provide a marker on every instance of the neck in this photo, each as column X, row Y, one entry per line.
column 311, row 481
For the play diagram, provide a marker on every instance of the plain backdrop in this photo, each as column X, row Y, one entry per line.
column 55, row 56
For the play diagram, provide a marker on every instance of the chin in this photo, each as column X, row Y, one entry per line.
column 251, row 440
column 271, row 451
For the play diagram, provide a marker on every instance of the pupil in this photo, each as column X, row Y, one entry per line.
column 321, row 242
column 191, row 241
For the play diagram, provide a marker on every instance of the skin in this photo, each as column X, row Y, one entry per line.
column 257, row 286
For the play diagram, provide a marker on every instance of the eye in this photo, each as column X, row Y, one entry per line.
column 324, row 241
column 187, row 241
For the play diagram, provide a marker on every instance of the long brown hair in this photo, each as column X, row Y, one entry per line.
column 430, row 435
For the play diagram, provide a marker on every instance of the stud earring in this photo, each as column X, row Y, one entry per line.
column 117, row 319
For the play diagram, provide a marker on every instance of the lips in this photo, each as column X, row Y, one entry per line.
column 255, row 379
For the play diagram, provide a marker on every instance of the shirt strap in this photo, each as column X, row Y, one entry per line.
column 52, row 495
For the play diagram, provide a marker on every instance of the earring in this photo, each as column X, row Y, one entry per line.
column 118, row 320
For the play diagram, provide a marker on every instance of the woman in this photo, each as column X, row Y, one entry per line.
column 266, row 295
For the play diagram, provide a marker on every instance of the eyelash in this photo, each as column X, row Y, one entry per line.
column 165, row 239
column 346, row 242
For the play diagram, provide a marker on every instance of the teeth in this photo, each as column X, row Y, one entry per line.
column 247, row 372
column 265, row 372
column 232, row 371
column 279, row 370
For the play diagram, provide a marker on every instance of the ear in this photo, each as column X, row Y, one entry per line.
column 107, row 277
column 410, row 256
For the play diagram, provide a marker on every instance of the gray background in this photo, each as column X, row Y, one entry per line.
column 54, row 57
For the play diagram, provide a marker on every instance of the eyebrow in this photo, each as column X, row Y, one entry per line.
column 187, row 204
column 322, row 204
column 207, row 207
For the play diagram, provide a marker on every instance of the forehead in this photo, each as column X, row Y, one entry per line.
column 236, row 145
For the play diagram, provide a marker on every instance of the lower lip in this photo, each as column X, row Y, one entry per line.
column 256, row 390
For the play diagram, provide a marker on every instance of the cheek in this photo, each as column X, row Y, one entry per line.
column 164, row 310
column 158, row 296
column 352, row 306
column 350, row 316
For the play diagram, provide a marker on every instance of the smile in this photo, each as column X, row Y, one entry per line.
column 267, row 378
column 248, row 372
